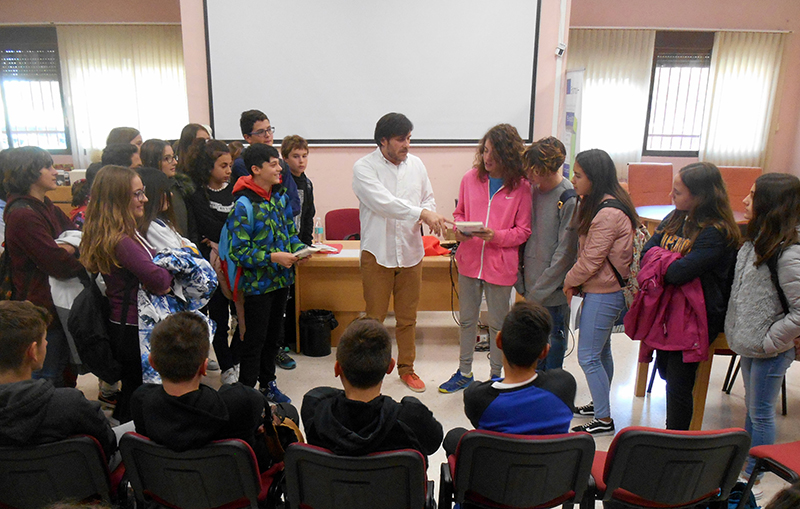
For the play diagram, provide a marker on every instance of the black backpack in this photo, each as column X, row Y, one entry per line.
column 88, row 324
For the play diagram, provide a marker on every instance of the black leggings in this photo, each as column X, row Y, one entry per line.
column 680, row 377
column 125, row 346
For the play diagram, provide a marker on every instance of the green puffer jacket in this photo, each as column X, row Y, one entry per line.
column 272, row 231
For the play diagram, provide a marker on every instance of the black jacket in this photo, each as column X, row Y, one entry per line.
column 711, row 259
column 199, row 417
column 356, row 428
column 35, row 412
column 305, row 191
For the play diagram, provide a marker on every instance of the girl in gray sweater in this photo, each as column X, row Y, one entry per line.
column 763, row 319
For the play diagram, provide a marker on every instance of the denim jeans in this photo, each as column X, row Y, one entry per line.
column 762, row 384
column 600, row 311
column 558, row 338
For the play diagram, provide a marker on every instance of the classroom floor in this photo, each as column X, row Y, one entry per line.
column 437, row 359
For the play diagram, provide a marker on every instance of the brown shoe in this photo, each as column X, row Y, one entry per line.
column 413, row 382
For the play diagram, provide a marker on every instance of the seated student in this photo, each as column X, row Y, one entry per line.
column 121, row 154
column 34, row 411
column 184, row 414
column 526, row 401
column 359, row 420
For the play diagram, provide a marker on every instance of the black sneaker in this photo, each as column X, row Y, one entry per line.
column 585, row 410
column 596, row 427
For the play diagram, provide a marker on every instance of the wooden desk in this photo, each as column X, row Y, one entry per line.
column 333, row 282
column 700, row 382
column 62, row 198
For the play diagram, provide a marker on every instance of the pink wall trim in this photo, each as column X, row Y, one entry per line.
column 90, row 11
column 783, row 152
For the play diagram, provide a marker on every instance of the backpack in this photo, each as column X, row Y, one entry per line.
column 630, row 287
column 7, row 289
column 88, row 325
column 229, row 282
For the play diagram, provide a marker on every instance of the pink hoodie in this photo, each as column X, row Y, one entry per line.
column 508, row 214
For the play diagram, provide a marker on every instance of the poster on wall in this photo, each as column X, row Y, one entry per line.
column 570, row 134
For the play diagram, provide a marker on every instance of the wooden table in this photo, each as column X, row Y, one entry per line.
column 700, row 382
column 333, row 282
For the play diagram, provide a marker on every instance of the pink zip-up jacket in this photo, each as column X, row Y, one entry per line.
column 508, row 214
column 667, row 317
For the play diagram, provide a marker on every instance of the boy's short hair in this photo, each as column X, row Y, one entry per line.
column 525, row 332
column 249, row 118
column 118, row 154
column 391, row 125
column 293, row 142
column 258, row 154
column 21, row 323
column 364, row 353
column 179, row 346
column 545, row 156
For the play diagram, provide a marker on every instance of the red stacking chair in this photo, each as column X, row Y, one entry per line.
column 318, row 479
column 782, row 460
column 498, row 470
column 34, row 476
column 221, row 474
column 647, row 467
column 342, row 224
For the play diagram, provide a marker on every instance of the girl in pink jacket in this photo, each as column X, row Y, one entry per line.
column 496, row 194
column 606, row 220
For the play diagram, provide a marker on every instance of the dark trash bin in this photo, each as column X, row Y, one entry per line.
column 315, row 332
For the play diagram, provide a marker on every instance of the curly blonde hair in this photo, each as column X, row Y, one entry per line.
column 108, row 218
column 507, row 148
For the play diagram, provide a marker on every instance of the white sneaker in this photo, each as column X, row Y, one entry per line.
column 229, row 376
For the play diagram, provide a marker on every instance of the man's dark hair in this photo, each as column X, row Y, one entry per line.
column 179, row 346
column 21, row 323
column 258, row 154
column 525, row 332
column 119, row 154
column 391, row 125
column 249, row 118
column 364, row 353
column 23, row 167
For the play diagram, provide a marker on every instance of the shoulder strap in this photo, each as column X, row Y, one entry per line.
column 566, row 195
column 615, row 204
column 772, row 264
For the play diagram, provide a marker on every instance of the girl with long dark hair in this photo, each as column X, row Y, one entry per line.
column 605, row 222
column 703, row 230
column 763, row 319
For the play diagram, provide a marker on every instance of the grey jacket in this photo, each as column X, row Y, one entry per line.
column 551, row 249
column 755, row 324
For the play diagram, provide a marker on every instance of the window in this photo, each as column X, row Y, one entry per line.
column 31, row 104
column 678, row 90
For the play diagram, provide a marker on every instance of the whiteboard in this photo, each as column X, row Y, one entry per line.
column 328, row 70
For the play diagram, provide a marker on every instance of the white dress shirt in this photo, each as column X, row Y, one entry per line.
column 391, row 198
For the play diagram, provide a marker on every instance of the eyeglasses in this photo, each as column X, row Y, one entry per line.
column 263, row 132
column 170, row 158
column 139, row 195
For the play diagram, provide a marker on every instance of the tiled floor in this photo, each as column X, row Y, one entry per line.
column 437, row 359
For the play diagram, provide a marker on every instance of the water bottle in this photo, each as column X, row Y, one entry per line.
column 317, row 230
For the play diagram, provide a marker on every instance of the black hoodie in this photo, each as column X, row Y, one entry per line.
column 356, row 428
column 35, row 412
column 199, row 417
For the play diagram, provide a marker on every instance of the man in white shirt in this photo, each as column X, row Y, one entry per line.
column 395, row 197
